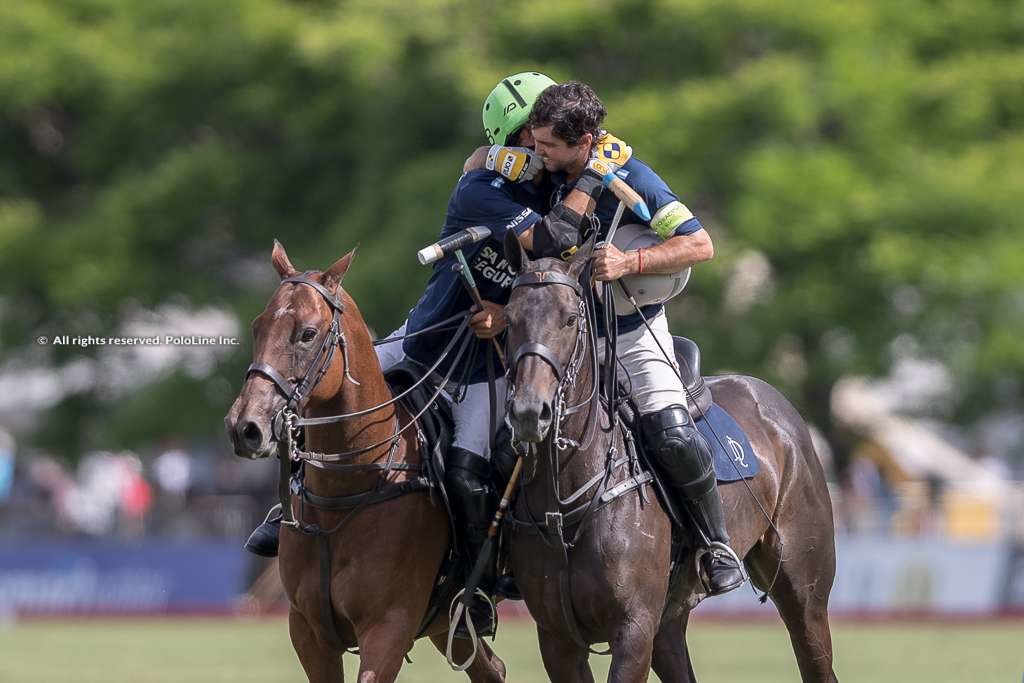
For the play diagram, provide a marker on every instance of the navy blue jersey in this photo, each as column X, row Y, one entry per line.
column 669, row 217
column 481, row 197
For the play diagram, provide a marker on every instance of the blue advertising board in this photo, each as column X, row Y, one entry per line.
column 88, row 577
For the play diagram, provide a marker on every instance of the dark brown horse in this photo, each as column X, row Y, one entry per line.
column 612, row 583
column 384, row 557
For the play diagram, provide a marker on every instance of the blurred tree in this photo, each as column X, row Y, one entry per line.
column 857, row 164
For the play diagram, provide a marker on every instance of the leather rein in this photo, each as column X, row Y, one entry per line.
column 287, row 423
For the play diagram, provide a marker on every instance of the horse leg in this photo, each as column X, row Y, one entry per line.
column 631, row 651
column 800, row 593
column 671, row 654
column 564, row 660
column 322, row 665
column 382, row 649
column 486, row 668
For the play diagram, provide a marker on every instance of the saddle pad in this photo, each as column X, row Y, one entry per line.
column 734, row 457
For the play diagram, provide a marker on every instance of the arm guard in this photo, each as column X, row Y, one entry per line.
column 558, row 235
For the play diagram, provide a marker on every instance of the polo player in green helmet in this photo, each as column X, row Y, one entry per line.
column 497, row 193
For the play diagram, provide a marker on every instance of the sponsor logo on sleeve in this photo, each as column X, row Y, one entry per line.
column 670, row 217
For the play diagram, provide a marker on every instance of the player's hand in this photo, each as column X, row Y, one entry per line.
column 610, row 263
column 517, row 164
column 489, row 321
column 612, row 151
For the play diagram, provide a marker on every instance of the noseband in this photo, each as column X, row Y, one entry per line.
column 295, row 390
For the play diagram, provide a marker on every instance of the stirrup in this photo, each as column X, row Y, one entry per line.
column 274, row 514
column 718, row 548
column 458, row 613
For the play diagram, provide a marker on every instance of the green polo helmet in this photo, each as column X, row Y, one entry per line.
column 508, row 106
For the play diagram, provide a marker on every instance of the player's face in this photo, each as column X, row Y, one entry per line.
column 559, row 155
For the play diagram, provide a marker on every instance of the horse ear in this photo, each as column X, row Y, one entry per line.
column 279, row 257
column 579, row 260
column 514, row 252
column 334, row 274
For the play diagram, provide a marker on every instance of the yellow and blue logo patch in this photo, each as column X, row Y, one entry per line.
column 611, row 151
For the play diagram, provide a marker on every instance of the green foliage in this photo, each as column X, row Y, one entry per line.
column 869, row 151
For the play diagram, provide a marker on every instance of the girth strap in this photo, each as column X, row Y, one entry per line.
column 326, row 608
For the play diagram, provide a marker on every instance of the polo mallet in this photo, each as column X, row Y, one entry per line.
column 627, row 195
column 616, row 219
column 453, row 244
column 473, row 582
column 474, row 293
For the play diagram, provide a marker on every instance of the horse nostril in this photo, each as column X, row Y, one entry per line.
column 545, row 413
column 252, row 435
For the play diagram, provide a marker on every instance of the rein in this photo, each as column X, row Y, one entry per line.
column 287, row 422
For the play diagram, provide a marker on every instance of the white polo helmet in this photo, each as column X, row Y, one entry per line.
column 647, row 289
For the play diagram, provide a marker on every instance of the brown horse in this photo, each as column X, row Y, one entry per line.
column 599, row 572
column 384, row 555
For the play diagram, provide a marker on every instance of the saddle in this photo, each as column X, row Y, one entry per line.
column 687, row 355
column 732, row 454
column 436, row 424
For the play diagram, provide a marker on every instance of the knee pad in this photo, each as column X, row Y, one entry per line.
column 679, row 450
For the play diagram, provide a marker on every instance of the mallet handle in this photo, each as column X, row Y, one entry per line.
column 474, row 294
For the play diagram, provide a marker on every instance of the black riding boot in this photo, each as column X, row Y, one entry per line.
column 473, row 500
column 720, row 562
column 263, row 540
column 684, row 458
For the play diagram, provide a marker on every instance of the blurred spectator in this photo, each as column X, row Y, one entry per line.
column 136, row 496
column 867, row 496
column 173, row 471
column 181, row 491
column 6, row 465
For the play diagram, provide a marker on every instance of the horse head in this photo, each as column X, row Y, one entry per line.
column 546, row 335
column 294, row 360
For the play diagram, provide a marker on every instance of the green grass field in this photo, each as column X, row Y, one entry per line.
column 208, row 650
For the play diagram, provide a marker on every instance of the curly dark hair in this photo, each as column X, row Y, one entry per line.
column 572, row 109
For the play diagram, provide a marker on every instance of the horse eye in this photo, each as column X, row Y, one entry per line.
column 572, row 320
column 308, row 334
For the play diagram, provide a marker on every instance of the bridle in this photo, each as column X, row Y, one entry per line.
column 286, row 424
column 294, row 390
column 568, row 374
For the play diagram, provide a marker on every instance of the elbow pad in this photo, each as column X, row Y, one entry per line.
column 558, row 235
